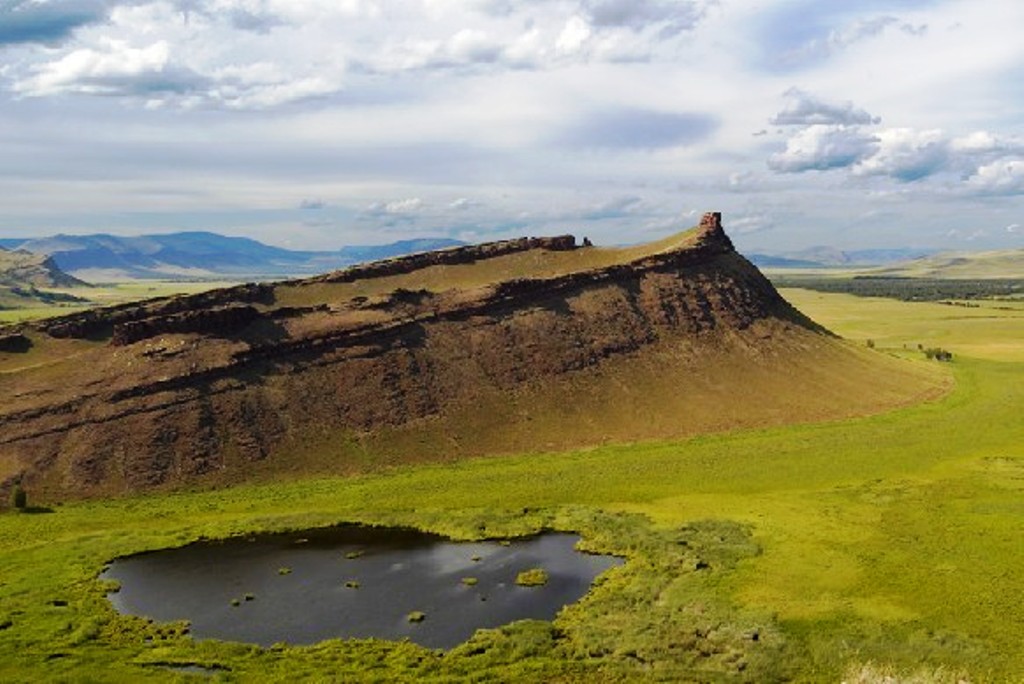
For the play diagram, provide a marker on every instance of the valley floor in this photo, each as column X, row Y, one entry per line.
column 809, row 553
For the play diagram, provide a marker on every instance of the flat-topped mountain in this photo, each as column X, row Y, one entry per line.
column 529, row 344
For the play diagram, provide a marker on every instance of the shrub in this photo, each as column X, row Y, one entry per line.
column 938, row 354
column 417, row 616
column 534, row 577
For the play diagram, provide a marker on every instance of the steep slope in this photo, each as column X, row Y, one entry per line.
column 25, row 269
column 522, row 344
column 21, row 273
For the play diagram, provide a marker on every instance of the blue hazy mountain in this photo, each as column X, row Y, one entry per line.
column 201, row 254
column 818, row 257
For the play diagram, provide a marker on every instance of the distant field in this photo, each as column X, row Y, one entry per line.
column 107, row 294
column 907, row 289
column 809, row 553
column 999, row 264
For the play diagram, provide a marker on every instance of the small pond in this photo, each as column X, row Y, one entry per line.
column 352, row 582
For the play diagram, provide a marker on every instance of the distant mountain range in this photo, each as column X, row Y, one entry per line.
column 100, row 257
column 819, row 257
column 1003, row 264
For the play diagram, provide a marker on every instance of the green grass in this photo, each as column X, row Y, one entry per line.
column 534, row 577
column 104, row 294
column 888, row 544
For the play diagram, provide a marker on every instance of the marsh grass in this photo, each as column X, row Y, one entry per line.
column 893, row 539
column 534, row 577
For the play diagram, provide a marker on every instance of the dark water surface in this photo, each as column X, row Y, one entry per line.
column 292, row 587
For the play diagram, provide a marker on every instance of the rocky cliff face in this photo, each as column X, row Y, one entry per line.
column 211, row 387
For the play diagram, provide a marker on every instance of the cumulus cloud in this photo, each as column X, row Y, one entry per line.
column 842, row 136
column 988, row 163
column 1003, row 177
column 906, row 154
column 805, row 109
column 820, row 147
column 229, row 52
column 114, row 69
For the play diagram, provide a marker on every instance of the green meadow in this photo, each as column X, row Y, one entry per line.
column 103, row 294
column 854, row 550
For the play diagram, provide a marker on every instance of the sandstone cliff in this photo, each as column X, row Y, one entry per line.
column 522, row 344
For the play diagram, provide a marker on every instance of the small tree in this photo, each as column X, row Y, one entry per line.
column 19, row 499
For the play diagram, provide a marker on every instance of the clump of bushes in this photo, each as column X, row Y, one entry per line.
column 534, row 577
column 417, row 616
column 352, row 584
column 938, row 353
column 469, row 581
column 284, row 571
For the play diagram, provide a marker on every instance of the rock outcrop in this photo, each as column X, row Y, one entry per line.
column 281, row 377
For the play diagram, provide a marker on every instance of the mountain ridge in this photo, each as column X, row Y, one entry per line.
column 527, row 344
column 102, row 256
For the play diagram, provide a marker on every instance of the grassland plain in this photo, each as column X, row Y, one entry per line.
column 104, row 294
column 802, row 553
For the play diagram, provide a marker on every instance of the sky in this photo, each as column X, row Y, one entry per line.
column 313, row 124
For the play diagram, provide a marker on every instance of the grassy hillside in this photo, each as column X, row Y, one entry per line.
column 62, row 301
column 23, row 269
column 29, row 280
column 861, row 547
column 533, row 350
column 997, row 264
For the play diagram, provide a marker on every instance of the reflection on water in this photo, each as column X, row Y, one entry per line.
column 352, row 581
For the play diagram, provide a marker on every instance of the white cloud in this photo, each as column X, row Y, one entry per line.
column 574, row 35
column 408, row 205
column 603, row 116
column 116, row 68
column 905, row 154
column 745, row 224
column 1003, row 177
column 820, row 148
column 805, row 109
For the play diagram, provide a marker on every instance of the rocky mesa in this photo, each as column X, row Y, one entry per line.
column 529, row 344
